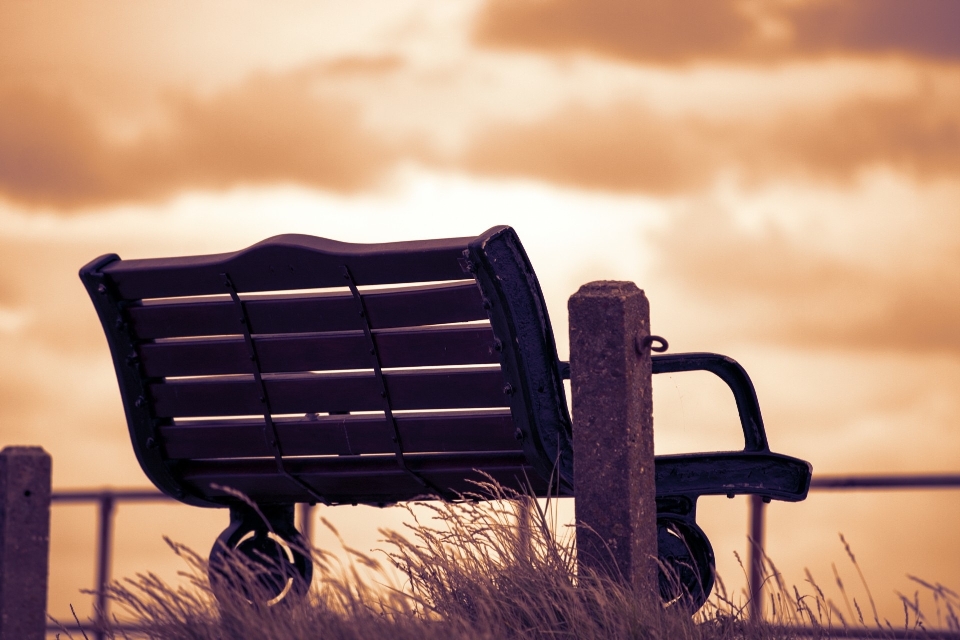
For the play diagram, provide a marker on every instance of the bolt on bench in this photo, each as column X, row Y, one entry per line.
column 303, row 369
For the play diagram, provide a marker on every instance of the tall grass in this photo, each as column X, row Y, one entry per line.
column 495, row 568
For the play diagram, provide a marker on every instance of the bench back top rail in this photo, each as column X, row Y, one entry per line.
column 305, row 369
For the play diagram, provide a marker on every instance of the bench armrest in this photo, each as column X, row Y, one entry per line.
column 771, row 475
column 728, row 370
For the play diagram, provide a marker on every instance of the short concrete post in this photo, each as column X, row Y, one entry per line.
column 610, row 374
column 24, row 542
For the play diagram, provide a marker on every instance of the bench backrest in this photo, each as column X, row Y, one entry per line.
column 307, row 370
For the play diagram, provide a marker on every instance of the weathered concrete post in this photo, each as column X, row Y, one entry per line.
column 610, row 375
column 24, row 542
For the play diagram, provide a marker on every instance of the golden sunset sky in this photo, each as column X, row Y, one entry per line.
column 782, row 178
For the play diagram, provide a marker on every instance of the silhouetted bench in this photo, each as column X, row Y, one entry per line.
column 303, row 369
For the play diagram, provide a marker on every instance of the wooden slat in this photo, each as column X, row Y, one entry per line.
column 417, row 347
column 343, row 435
column 308, row 313
column 323, row 393
column 437, row 346
column 290, row 262
column 367, row 479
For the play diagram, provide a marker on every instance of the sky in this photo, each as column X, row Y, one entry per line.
column 782, row 178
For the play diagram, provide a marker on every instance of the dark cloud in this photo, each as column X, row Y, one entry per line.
column 918, row 134
column 921, row 27
column 658, row 30
column 665, row 32
column 49, row 150
column 625, row 148
column 629, row 147
column 776, row 286
column 275, row 130
column 269, row 129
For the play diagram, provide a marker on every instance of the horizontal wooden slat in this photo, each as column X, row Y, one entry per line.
column 343, row 435
column 437, row 346
column 365, row 479
column 308, row 313
column 290, row 262
column 323, row 393
column 409, row 347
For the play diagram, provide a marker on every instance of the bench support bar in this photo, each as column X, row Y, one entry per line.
column 270, row 433
column 388, row 416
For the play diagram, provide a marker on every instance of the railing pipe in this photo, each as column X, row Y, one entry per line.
column 755, row 582
column 105, row 506
column 912, row 481
column 306, row 522
column 94, row 495
column 829, row 483
column 106, row 501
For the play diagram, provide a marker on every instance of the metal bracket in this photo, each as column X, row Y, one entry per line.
column 270, row 433
column 384, row 394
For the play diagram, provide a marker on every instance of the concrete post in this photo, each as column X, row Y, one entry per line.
column 610, row 375
column 24, row 542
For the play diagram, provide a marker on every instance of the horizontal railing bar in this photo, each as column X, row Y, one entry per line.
column 91, row 626
column 790, row 631
column 917, row 481
column 94, row 495
column 823, row 482
column 801, row 631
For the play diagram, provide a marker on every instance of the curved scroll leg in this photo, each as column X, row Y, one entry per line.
column 263, row 561
column 687, row 565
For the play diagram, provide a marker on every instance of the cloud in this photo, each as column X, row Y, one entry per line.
column 624, row 148
column 918, row 134
column 630, row 147
column 655, row 31
column 49, row 150
column 291, row 128
column 920, row 27
column 268, row 129
column 665, row 32
column 42, row 296
column 779, row 286
column 354, row 66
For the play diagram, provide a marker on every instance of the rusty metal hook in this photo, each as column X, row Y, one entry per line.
column 647, row 342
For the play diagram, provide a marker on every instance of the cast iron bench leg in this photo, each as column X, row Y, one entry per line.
column 267, row 547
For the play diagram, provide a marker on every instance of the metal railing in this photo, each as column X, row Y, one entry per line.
column 827, row 483
column 107, row 500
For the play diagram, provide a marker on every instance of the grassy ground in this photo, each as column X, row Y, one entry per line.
column 478, row 570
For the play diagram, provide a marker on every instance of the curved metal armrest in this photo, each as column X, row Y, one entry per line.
column 728, row 370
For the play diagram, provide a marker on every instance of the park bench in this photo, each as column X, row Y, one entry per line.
column 302, row 369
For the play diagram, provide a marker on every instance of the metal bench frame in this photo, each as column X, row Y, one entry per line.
column 278, row 371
